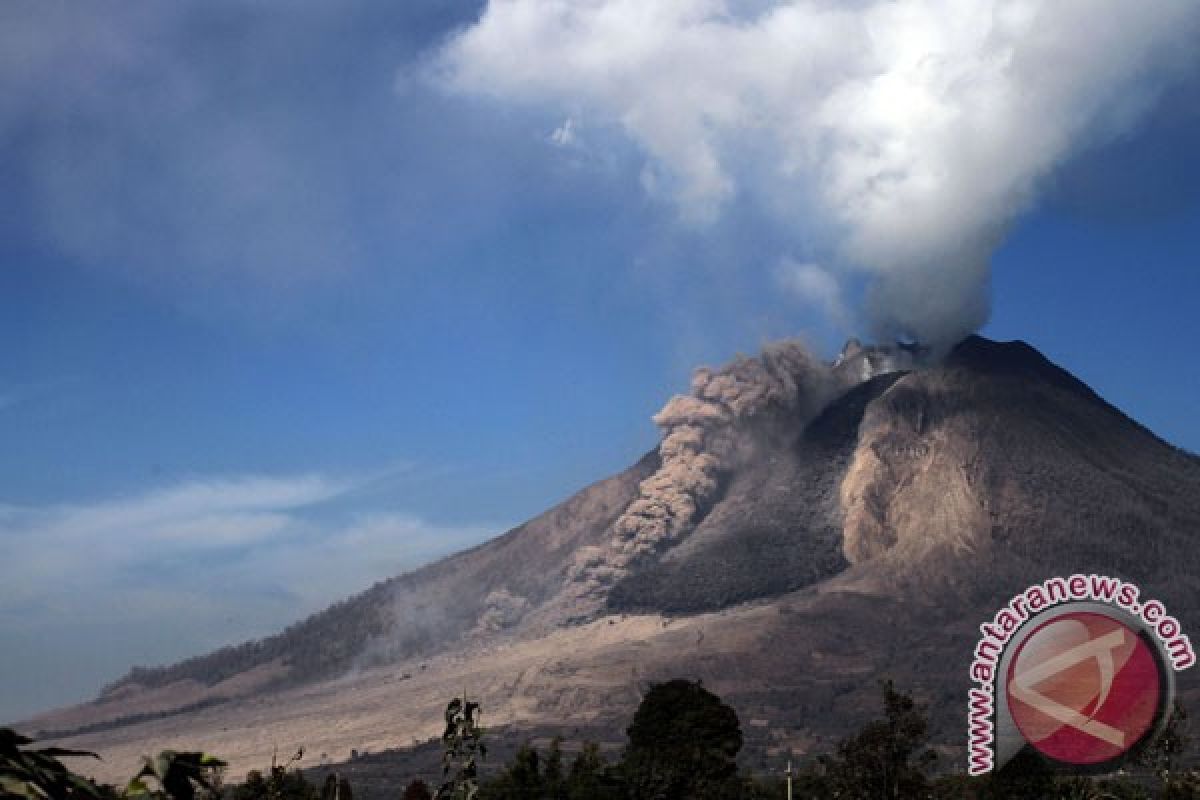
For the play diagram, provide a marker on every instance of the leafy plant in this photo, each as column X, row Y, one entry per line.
column 462, row 744
column 176, row 775
column 38, row 774
column 885, row 758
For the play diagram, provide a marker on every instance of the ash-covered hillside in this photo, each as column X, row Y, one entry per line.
column 803, row 530
column 559, row 567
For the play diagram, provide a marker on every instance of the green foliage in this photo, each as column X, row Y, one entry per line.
column 1122, row 788
column 553, row 781
column 1183, row 787
column 886, row 758
column 521, row 779
column 276, row 786
column 280, row 783
column 1025, row 777
column 336, row 788
column 417, row 790
column 462, row 744
column 954, row 787
column 531, row 777
column 176, row 775
column 1076, row 788
column 591, row 778
column 1162, row 753
column 37, row 774
column 755, row 788
column 683, row 742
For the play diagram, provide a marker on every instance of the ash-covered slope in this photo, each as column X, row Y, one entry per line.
column 956, row 482
column 998, row 468
column 471, row 594
column 556, row 569
column 777, row 526
column 874, row 510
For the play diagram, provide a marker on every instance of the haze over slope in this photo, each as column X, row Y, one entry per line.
column 865, row 538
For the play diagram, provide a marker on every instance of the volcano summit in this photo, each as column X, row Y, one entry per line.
column 802, row 530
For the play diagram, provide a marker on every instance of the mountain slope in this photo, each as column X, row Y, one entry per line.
column 999, row 467
column 864, row 531
column 482, row 590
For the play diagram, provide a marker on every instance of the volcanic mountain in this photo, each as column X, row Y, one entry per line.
column 803, row 530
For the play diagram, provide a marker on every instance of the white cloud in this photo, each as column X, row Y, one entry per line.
column 92, row 542
column 358, row 551
column 198, row 565
column 907, row 134
column 815, row 286
column 564, row 135
column 220, row 526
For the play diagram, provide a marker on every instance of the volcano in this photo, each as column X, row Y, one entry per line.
column 803, row 531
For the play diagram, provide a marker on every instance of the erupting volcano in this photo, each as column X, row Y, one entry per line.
column 802, row 529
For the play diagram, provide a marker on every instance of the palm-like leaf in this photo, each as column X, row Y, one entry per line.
column 177, row 775
column 38, row 774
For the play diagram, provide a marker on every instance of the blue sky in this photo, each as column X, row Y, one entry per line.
column 290, row 304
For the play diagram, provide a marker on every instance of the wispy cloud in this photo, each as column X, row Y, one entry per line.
column 195, row 565
column 90, row 544
column 816, row 287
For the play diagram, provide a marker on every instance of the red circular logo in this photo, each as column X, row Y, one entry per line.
column 1084, row 688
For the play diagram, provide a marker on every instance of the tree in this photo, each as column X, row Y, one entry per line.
column 883, row 759
column 336, row 788
column 462, row 744
column 280, row 783
column 417, row 790
column 590, row 777
column 521, row 779
column 554, row 781
column 683, row 742
column 1161, row 754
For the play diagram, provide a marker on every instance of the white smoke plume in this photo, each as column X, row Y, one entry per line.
column 902, row 137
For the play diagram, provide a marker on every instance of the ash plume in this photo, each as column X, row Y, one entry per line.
column 895, row 139
column 714, row 428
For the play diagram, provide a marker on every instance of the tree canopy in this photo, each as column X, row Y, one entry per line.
column 683, row 742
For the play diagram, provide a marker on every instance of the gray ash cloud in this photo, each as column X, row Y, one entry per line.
column 718, row 425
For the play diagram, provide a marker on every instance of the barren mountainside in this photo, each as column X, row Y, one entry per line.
column 803, row 530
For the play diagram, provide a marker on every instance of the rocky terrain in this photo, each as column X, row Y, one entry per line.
column 803, row 530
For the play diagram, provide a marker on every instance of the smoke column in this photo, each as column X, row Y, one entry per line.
column 712, row 430
column 902, row 138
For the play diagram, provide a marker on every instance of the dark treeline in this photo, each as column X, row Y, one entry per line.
column 683, row 743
